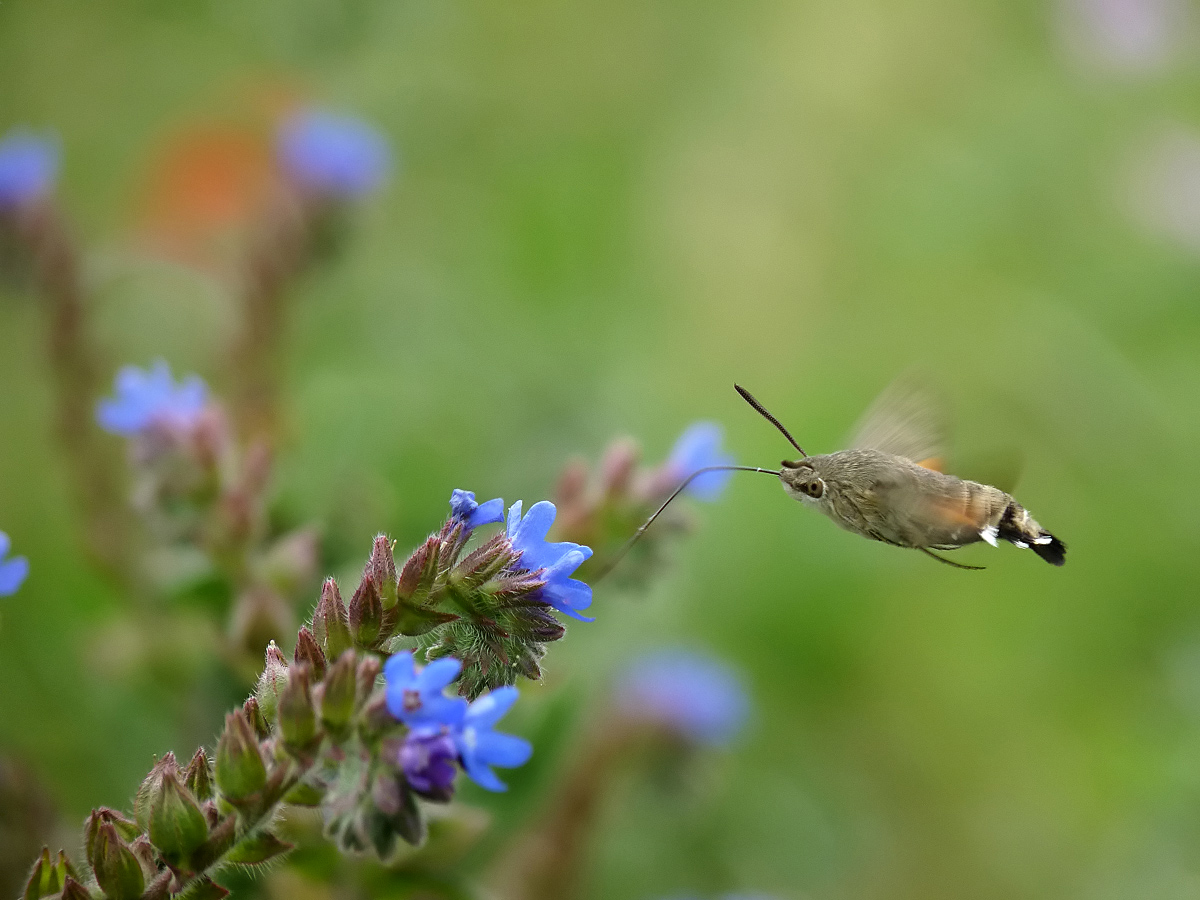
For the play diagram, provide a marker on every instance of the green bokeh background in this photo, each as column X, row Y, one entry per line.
column 605, row 214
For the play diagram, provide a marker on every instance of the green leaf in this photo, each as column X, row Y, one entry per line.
column 202, row 888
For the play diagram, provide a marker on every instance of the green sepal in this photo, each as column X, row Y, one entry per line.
column 202, row 888
column 258, row 848
column 304, row 793
column 413, row 619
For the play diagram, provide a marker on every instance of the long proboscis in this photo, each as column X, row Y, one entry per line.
column 628, row 545
column 762, row 411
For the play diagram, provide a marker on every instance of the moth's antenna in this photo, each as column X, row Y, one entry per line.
column 612, row 563
column 762, row 411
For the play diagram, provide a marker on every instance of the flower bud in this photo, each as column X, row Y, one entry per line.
column 420, row 571
column 366, row 613
column 177, row 824
column 616, row 468
column 337, row 702
column 198, row 776
column 152, row 782
column 117, row 870
column 367, row 675
column 330, row 623
column 240, row 771
column 297, row 719
column 271, row 682
column 310, row 653
column 73, row 890
column 126, row 828
column 48, row 876
column 382, row 568
column 254, row 716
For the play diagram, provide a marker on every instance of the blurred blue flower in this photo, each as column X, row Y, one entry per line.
column 332, row 153
column 697, row 448
column 463, row 505
column 480, row 748
column 416, row 697
column 695, row 694
column 28, row 167
column 429, row 762
column 557, row 560
column 13, row 571
column 148, row 397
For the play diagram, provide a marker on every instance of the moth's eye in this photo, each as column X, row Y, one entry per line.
column 816, row 488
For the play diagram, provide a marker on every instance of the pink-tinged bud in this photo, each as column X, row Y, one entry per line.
column 240, row 771
column 572, row 484
column 420, row 571
column 126, row 828
column 337, row 701
column 73, row 890
column 297, row 719
column 48, row 876
column 141, row 801
column 382, row 568
column 366, row 613
column 198, row 776
column 262, row 729
column 616, row 469
column 271, row 682
column 117, row 870
column 331, row 626
column 367, row 675
column 309, row 653
column 177, row 824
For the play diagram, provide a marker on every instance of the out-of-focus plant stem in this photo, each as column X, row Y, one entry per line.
column 546, row 861
column 278, row 253
column 76, row 368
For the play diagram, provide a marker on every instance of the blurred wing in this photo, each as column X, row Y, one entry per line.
column 908, row 419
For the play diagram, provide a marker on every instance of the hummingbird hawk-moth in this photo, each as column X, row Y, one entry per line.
column 888, row 486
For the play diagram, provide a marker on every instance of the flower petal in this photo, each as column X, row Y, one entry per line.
column 5, row 545
column 482, row 775
column 12, row 574
column 487, row 513
column 505, row 750
column 400, row 667
column 491, row 707
column 438, row 674
column 514, row 520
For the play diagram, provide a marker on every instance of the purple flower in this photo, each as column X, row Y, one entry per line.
column 558, row 561
column 416, row 697
column 429, row 763
column 695, row 694
column 333, row 154
column 698, row 448
column 28, row 167
column 463, row 506
column 13, row 571
column 480, row 748
column 151, row 397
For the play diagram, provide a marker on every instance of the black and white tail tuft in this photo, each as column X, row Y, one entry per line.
column 1022, row 530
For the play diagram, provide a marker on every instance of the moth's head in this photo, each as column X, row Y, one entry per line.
column 801, row 480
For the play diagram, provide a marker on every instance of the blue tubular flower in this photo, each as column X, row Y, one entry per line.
column 428, row 760
column 13, row 571
column 417, row 698
column 463, row 506
column 697, row 448
column 557, row 560
column 480, row 748
column 697, row 695
column 147, row 397
column 28, row 167
column 333, row 154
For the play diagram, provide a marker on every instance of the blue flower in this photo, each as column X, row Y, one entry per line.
column 429, row 763
column 480, row 748
column 417, row 698
column 28, row 167
column 558, row 561
column 12, row 571
column 463, row 506
column 332, row 153
column 698, row 448
column 695, row 694
column 148, row 397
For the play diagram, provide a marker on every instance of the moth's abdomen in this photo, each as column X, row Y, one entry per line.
column 1019, row 528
